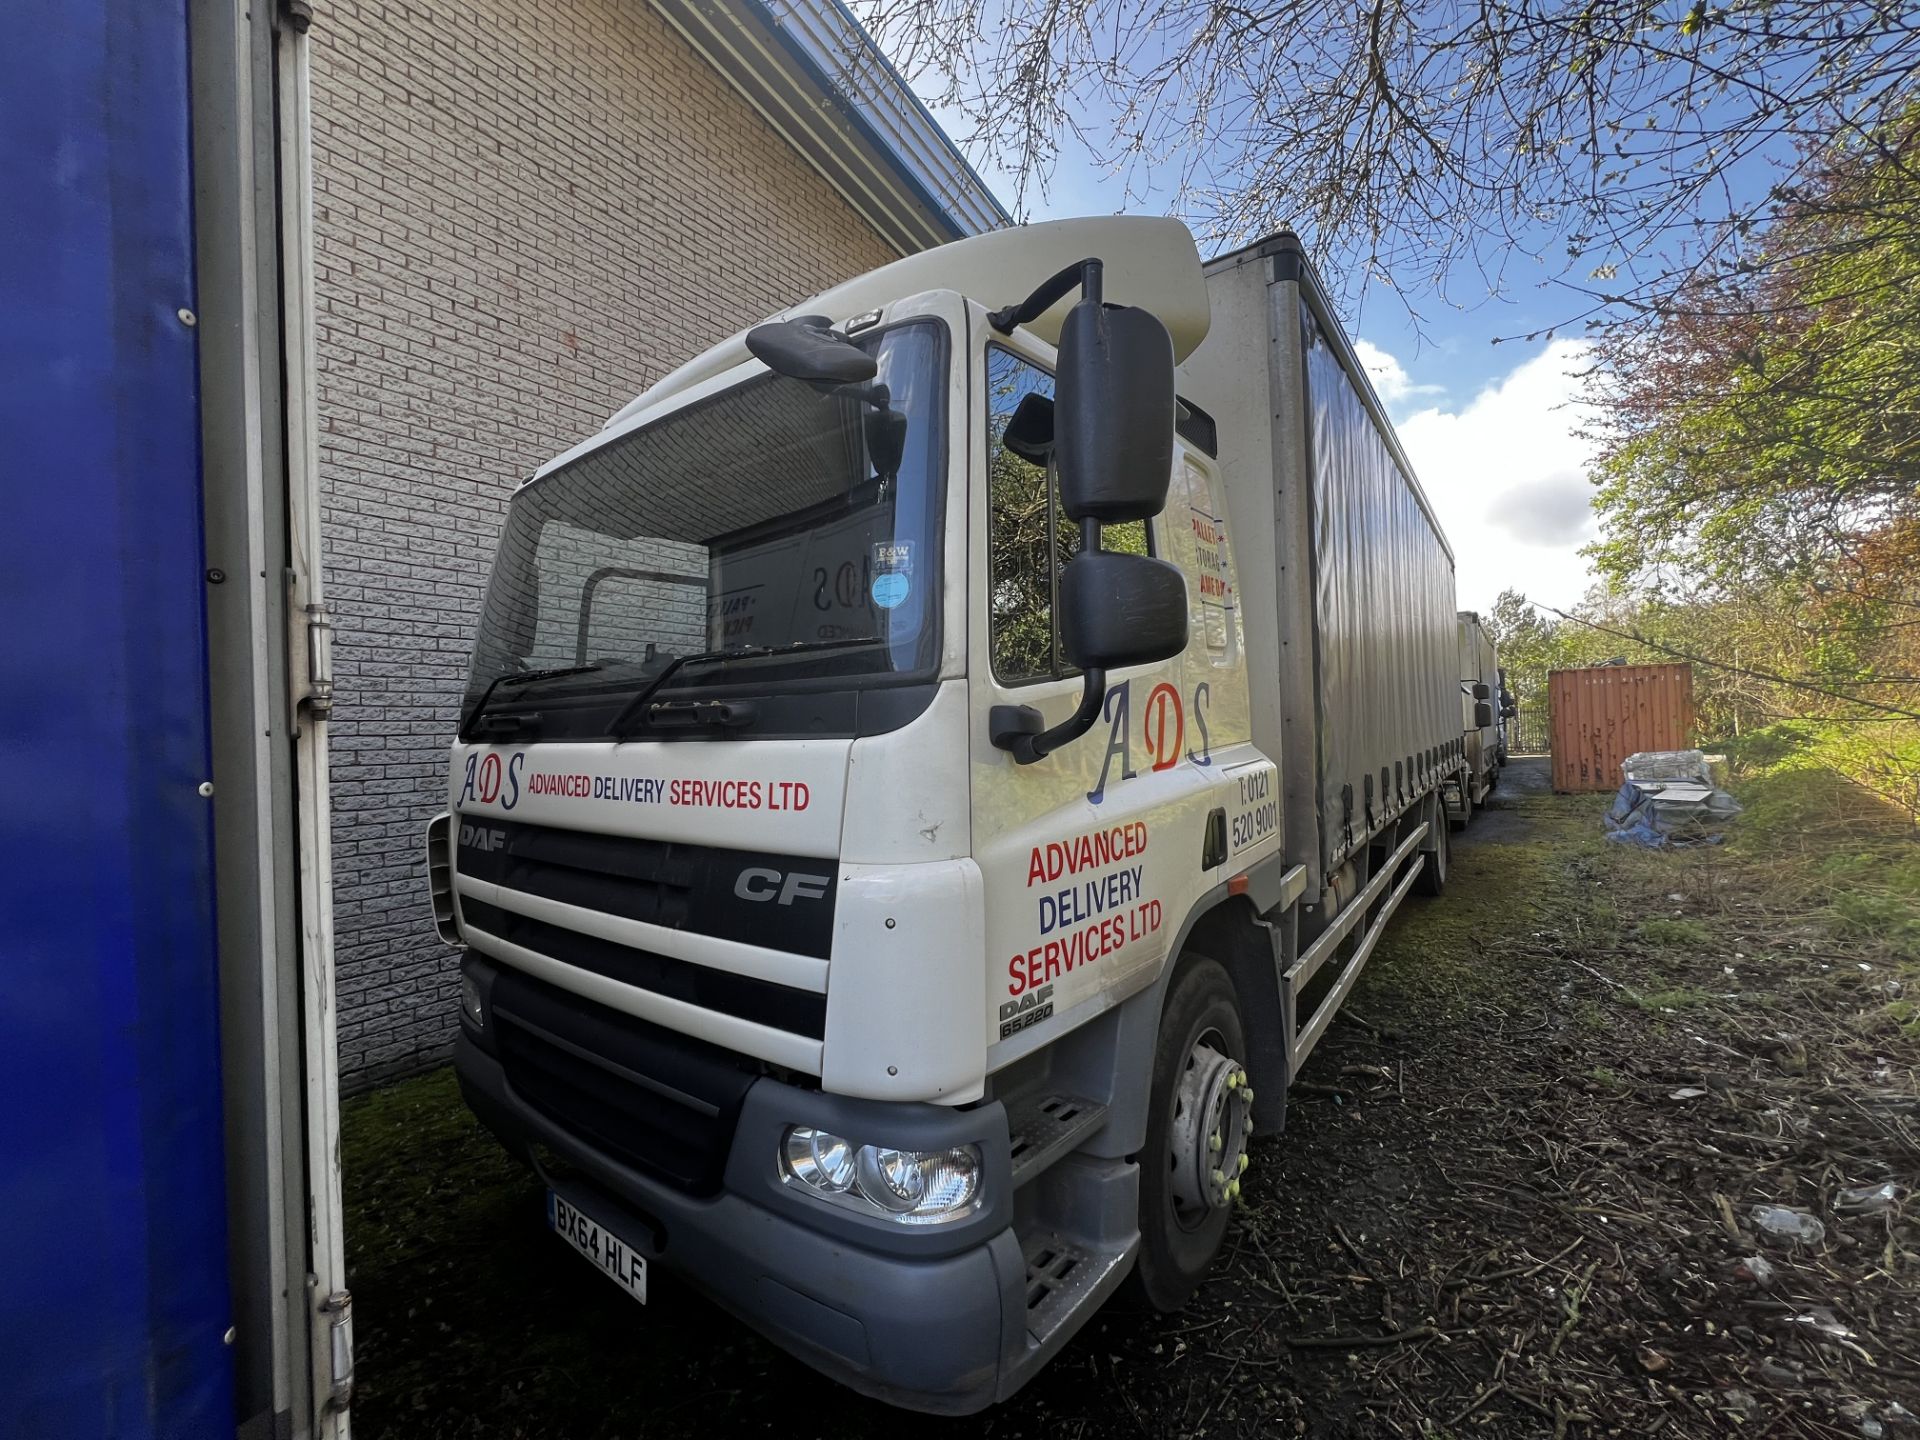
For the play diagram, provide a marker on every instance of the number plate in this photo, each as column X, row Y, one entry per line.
column 613, row 1255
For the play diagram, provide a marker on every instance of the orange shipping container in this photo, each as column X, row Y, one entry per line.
column 1602, row 715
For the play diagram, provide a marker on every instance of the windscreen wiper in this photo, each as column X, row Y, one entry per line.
column 524, row 677
column 623, row 726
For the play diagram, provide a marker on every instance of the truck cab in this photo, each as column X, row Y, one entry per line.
column 856, row 833
column 1485, row 707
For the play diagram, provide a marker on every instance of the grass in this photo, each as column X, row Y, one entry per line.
column 1821, row 834
column 1675, row 934
column 1678, row 997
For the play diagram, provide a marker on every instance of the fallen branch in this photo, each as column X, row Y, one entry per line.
column 1575, row 1295
column 1516, row 1272
column 1356, row 1342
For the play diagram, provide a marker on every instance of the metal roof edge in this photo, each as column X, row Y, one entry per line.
column 826, row 88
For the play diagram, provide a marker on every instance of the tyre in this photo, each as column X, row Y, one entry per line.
column 1198, row 1127
column 1432, row 879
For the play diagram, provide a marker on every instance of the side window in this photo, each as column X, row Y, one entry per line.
column 1028, row 538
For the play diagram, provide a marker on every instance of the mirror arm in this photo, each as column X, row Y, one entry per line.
column 1084, row 273
column 1016, row 728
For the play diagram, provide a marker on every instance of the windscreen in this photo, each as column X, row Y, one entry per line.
column 764, row 539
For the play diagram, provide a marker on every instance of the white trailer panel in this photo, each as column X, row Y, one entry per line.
column 1349, row 608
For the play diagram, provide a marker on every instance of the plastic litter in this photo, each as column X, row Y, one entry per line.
column 1667, row 765
column 1868, row 1199
column 1818, row 1317
column 1669, row 799
column 1793, row 1226
column 1687, row 1092
column 1756, row 1268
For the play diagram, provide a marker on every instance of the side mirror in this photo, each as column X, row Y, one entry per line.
column 1118, row 610
column 1029, row 432
column 1482, row 715
column 810, row 350
column 886, row 432
column 1109, row 433
column 1482, row 691
column 1113, row 419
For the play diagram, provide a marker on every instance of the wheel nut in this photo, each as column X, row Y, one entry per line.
column 1233, row 1191
column 1244, row 1162
column 1219, row 1177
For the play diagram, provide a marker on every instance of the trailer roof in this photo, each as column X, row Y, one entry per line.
column 1287, row 254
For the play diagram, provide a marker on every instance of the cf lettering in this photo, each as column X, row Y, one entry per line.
column 760, row 885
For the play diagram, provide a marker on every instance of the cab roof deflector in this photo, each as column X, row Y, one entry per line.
column 1150, row 261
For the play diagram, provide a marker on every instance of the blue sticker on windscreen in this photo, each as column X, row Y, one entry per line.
column 890, row 590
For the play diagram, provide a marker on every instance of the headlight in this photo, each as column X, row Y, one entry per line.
column 914, row 1187
column 820, row 1160
column 470, row 1002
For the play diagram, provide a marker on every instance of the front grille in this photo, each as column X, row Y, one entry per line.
column 696, row 888
column 798, row 1012
column 656, row 1101
column 774, row 902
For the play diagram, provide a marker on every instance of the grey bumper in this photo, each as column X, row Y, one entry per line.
column 931, row 1319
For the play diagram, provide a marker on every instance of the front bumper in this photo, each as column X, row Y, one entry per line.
column 931, row 1318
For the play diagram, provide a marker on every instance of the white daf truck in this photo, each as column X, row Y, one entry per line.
column 1485, row 708
column 930, row 762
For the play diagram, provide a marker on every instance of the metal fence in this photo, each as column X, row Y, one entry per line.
column 1527, row 732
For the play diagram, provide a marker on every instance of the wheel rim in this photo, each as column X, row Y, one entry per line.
column 1207, row 1140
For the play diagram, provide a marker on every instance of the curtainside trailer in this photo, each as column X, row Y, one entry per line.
column 928, row 764
column 169, row 1178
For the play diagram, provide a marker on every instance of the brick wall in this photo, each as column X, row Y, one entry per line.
column 525, row 215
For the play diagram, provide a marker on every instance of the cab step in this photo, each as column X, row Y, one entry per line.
column 1042, row 1129
column 1061, row 1274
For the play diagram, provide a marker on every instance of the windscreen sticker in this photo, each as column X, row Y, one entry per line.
column 892, row 573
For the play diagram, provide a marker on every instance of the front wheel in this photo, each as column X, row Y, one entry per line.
column 1198, row 1126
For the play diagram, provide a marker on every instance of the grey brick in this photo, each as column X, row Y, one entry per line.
column 516, row 233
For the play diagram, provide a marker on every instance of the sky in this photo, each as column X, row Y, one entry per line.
column 1490, row 427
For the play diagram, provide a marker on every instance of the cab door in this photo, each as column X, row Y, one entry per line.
column 1092, row 856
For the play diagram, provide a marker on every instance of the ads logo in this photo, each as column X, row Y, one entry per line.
column 489, row 782
column 760, row 884
column 1165, row 726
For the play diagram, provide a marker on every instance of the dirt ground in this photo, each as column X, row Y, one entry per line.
column 1517, row 1193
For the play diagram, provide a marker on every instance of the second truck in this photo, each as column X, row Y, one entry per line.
column 933, row 766
column 1485, row 708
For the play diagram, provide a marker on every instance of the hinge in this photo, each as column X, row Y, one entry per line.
column 338, row 1308
column 312, row 678
column 318, row 699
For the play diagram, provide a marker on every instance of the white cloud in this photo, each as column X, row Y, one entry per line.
column 1507, row 475
column 1390, row 379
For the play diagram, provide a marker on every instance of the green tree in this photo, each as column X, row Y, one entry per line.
column 1763, row 439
